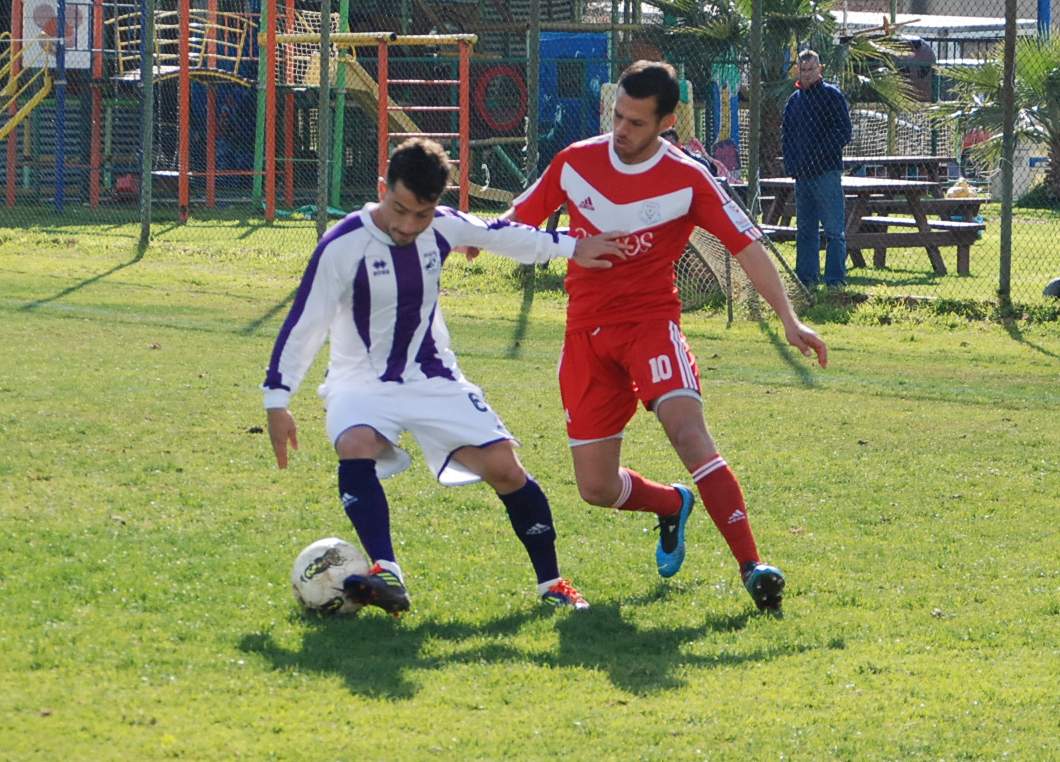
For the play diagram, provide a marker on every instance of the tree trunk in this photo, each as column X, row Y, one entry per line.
column 1052, row 172
column 771, row 145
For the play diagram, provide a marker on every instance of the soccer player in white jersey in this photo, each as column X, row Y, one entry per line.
column 624, row 343
column 372, row 286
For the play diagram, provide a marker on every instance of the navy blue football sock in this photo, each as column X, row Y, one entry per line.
column 365, row 503
column 531, row 519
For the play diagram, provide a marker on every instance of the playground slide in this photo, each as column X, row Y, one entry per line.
column 13, row 91
column 366, row 90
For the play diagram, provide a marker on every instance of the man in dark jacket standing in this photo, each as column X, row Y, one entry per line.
column 816, row 127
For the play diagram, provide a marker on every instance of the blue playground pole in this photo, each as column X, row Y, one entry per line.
column 1045, row 17
column 60, row 105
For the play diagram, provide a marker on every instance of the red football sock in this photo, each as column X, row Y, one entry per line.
column 640, row 494
column 723, row 500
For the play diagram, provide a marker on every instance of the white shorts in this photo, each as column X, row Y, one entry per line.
column 442, row 415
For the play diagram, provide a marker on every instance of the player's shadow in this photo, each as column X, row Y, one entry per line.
column 379, row 657
column 794, row 360
column 644, row 660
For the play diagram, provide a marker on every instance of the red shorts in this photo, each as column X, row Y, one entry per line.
column 605, row 371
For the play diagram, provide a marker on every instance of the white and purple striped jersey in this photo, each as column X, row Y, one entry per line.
column 379, row 301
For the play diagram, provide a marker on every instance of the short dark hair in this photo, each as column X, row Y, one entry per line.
column 422, row 166
column 645, row 79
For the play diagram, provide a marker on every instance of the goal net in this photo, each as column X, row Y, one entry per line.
column 298, row 63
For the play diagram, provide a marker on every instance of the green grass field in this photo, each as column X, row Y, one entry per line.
column 909, row 491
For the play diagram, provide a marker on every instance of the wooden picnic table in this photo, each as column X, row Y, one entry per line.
column 934, row 168
column 964, row 208
column 864, row 231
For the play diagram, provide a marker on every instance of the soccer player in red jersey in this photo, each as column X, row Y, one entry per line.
column 624, row 343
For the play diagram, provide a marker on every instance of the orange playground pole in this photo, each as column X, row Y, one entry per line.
column 95, row 154
column 12, row 139
column 465, row 122
column 288, row 119
column 270, row 114
column 383, row 131
column 211, row 108
column 184, row 110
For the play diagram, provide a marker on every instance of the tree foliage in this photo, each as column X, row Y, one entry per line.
column 977, row 102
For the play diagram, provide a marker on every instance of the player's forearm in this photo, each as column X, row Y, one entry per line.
column 764, row 276
column 523, row 243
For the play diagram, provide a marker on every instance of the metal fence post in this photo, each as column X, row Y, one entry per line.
column 1008, row 149
column 754, row 147
column 324, row 120
column 147, row 118
column 533, row 74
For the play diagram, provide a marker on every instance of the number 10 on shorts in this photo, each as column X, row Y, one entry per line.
column 661, row 368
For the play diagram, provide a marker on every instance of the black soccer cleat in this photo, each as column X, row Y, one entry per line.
column 765, row 583
column 380, row 588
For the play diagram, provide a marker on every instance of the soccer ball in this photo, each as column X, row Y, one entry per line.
column 318, row 573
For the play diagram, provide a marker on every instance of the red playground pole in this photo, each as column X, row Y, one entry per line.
column 95, row 154
column 184, row 110
column 270, row 114
column 12, row 139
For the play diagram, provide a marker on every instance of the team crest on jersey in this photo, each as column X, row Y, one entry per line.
column 650, row 212
column 430, row 260
column 380, row 267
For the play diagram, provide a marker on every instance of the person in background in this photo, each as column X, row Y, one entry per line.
column 816, row 127
column 695, row 150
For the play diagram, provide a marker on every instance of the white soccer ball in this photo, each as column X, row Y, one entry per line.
column 318, row 573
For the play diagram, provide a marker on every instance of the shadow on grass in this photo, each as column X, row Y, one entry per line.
column 527, row 274
column 795, row 361
column 252, row 227
column 891, row 276
column 1013, row 330
column 30, row 306
column 380, row 657
column 254, row 325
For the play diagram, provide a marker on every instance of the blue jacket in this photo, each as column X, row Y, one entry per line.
column 816, row 127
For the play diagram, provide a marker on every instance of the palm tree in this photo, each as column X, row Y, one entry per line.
column 707, row 30
column 977, row 104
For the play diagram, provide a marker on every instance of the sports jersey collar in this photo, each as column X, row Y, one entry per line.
column 633, row 169
column 369, row 223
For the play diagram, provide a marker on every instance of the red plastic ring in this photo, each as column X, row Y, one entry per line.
column 496, row 122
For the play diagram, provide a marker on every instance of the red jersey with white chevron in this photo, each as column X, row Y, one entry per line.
column 658, row 202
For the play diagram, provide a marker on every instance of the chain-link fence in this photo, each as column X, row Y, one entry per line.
column 901, row 163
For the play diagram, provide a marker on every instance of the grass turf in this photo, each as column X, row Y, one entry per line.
column 909, row 492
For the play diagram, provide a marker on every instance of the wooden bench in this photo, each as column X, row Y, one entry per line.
column 780, row 232
column 951, row 233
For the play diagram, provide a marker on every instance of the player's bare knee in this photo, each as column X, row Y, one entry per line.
column 359, row 442
column 601, row 493
column 505, row 476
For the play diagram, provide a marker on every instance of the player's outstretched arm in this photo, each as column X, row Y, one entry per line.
column 589, row 252
column 763, row 274
column 282, row 430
